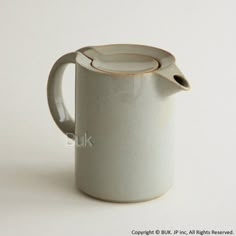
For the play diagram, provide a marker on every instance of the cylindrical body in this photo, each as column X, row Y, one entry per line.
column 123, row 125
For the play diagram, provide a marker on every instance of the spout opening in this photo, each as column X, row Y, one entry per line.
column 182, row 81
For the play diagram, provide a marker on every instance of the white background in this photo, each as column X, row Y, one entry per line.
column 37, row 192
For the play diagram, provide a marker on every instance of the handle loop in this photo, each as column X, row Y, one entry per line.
column 54, row 94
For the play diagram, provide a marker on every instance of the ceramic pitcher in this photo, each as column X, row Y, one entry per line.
column 123, row 119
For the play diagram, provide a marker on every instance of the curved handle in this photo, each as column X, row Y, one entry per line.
column 54, row 93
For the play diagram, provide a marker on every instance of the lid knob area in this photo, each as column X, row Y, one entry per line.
column 125, row 63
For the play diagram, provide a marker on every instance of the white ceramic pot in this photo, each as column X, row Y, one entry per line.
column 123, row 119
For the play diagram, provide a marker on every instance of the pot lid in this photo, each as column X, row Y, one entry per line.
column 124, row 58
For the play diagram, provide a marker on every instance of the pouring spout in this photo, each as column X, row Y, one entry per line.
column 173, row 77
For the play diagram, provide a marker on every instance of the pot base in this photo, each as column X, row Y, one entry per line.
column 122, row 201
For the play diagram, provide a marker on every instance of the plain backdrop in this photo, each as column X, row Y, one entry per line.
column 37, row 192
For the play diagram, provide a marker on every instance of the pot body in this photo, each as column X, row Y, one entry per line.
column 123, row 129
